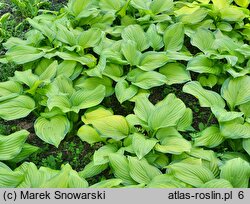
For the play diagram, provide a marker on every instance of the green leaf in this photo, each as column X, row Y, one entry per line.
column 83, row 99
column 152, row 60
column 242, row 3
column 235, row 129
column 185, row 121
column 140, row 4
column 135, row 33
column 192, row 174
column 155, row 40
column 9, row 87
column 236, row 91
column 143, row 108
column 109, row 5
column 26, row 151
column 96, row 113
column 194, row 17
column 174, row 37
column 176, row 73
column 197, row 39
column 141, row 171
column 206, row 98
column 89, row 134
column 146, row 80
column 237, row 172
column 131, row 53
column 159, row 6
column 91, row 83
column 232, row 14
column 124, row 91
column 120, row 167
column 25, row 77
column 91, row 170
column 52, row 130
column 11, row 145
column 89, row 38
column 114, row 126
column 77, row 6
column 109, row 183
column 142, row 145
column 210, row 137
column 209, row 80
column 166, row 181
column 217, row 183
column 173, row 145
column 15, row 108
column 246, row 145
column 202, row 64
column 223, row 116
column 16, row 54
column 219, row 4
column 9, row 178
column 245, row 108
column 101, row 156
column 167, row 113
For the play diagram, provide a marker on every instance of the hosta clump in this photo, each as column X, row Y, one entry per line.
column 92, row 50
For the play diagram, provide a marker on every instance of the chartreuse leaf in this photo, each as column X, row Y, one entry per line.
column 142, row 145
column 242, row 3
column 16, row 54
column 210, row 137
column 140, row 4
column 75, row 181
column 109, row 5
column 232, row 13
column 91, row 83
column 219, row 4
column 192, row 174
column 159, row 6
column 202, row 64
column 143, row 108
column 114, row 126
column 146, row 80
column 174, row 37
column 89, row 38
column 109, row 183
column 9, row 178
column 89, row 134
column 130, row 52
column 209, row 80
column 235, row 129
column 155, row 39
column 171, row 141
column 206, row 98
column 120, row 167
column 141, row 171
column 166, row 181
column 185, row 121
column 95, row 113
column 245, row 108
column 101, row 156
column 136, row 34
column 91, row 170
column 167, row 113
column 11, row 145
column 124, row 91
column 52, row 130
column 237, row 172
column 176, row 73
column 236, row 91
column 217, row 183
column 77, row 6
column 194, row 16
column 197, row 39
column 25, row 77
column 152, row 60
column 223, row 116
column 9, row 87
column 17, row 107
column 26, row 151
column 246, row 145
